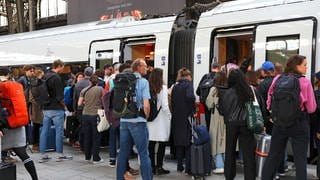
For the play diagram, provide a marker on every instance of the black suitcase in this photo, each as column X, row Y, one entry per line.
column 7, row 170
column 201, row 162
column 71, row 126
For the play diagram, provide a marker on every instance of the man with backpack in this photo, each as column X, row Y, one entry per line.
column 204, row 87
column 53, row 111
column 133, row 124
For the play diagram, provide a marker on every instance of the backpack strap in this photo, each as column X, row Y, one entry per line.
column 85, row 92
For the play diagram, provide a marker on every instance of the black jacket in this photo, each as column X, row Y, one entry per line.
column 235, row 111
column 183, row 106
column 55, row 89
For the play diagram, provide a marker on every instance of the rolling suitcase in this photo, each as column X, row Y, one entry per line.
column 72, row 124
column 7, row 170
column 201, row 164
column 262, row 150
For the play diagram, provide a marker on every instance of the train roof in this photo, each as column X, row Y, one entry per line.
column 241, row 5
column 96, row 25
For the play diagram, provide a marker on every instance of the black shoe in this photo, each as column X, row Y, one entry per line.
column 180, row 168
column 161, row 171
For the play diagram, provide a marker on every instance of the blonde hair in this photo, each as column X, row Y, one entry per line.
column 183, row 73
column 38, row 72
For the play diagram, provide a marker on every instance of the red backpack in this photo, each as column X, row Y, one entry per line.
column 12, row 98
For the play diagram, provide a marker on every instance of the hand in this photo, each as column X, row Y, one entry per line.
column 1, row 134
column 318, row 136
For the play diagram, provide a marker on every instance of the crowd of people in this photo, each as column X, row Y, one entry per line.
column 232, row 86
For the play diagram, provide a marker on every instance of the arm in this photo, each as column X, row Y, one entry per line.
column 210, row 98
column 165, row 102
column 81, row 99
column 310, row 102
column 146, row 96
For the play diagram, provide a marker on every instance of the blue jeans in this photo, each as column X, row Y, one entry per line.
column 113, row 139
column 219, row 160
column 57, row 117
column 138, row 134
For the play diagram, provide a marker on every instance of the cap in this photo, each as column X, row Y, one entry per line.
column 267, row 66
column 88, row 71
column 317, row 75
column 4, row 70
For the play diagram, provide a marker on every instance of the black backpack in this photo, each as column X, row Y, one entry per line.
column 221, row 92
column 124, row 95
column 154, row 111
column 39, row 90
column 285, row 103
column 317, row 97
column 205, row 87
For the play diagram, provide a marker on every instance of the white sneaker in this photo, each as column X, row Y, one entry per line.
column 218, row 171
column 44, row 158
column 98, row 162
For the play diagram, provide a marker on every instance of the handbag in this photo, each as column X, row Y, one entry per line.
column 254, row 119
column 103, row 123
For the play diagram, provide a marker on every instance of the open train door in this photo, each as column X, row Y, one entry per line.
column 276, row 42
column 103, row 52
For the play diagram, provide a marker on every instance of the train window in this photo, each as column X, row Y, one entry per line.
column 103, row 57
column 136, row 50
column 280, row 48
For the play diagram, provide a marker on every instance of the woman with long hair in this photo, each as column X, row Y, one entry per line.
column 183, row 106
column 159, row 128
column 234, row 110
column 298, row 130
column 217, row 128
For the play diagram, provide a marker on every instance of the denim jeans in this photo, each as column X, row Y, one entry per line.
column 138, row 134
column 113, row 139
column 219, row 160
column 57, row 117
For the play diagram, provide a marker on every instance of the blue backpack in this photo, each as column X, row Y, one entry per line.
column 68, row 95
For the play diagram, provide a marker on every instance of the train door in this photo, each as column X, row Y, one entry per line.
column 104, row 52
column 276, row 42
column 232, row 45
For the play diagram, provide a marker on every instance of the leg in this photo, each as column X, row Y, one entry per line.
column 95, row 139
column 219, row 161
column 125, row 148
column 113, row 134
column 87, row 132
column 140, row 135
column 160, row 154
column 230, row 161
column 35, row 133
column 180, row 155
column 58, row 120
column 27, row 161
column 278, row 145
column 188, row 159
column 44, row 131
column 152, row 153
column 299, row 139
column 248, row 144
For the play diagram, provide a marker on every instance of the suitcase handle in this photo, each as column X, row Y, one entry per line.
column 260, row 153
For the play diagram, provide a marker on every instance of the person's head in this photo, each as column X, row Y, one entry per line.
column 296, row 64
column 268, row 68
column 150, row 64
column 88, row 71
column 140, row 66
column 99, row 73
column 252, row 78
column 124, row 66
column 317, row 80
column 116, row 67
column 156, row 80
column 94, row 80
column 237, row 81
column 57, row 66
column 215, row 67
column 38, row 73
column 220, row 79
column 184, row 73
column 246, row 65
column 4, row 71
column 29, row 70
column 108, row 69
column 278, row 68
column 79, row 76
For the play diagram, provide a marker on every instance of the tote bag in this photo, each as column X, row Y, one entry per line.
column 103, row 123
column 255, row 122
